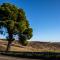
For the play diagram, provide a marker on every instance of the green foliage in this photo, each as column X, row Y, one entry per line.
column 8, row 11
column 23, row 40
column 28, row 33
column 22, row 25
column 14, row 20
column 21, row 15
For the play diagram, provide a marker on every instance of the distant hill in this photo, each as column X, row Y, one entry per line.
column 45, row 45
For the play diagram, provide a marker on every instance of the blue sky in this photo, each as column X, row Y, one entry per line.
column 43, row 16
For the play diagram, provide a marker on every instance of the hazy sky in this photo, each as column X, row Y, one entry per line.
column 43, row 16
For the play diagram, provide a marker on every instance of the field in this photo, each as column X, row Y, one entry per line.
column 32, row 46
column 40, row 50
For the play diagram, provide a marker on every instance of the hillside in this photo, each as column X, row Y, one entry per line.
column 33, row 46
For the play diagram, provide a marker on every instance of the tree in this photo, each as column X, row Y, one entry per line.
column 14, row 20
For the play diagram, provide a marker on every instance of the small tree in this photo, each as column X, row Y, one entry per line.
column 14, row 20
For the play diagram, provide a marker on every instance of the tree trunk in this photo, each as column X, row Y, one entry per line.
column 10, row 39
column 8, row 46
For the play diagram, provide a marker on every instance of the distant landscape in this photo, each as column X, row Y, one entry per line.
column 33, row 46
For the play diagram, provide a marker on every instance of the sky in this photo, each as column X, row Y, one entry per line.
column 43, row 16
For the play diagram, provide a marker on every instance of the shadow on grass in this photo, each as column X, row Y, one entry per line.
column 33, row 55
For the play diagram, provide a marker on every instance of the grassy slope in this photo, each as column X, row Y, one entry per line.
column 32, row 46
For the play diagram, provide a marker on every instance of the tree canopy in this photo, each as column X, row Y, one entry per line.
column 15, row 21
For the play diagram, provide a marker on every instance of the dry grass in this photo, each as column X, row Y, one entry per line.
column 32, row 47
